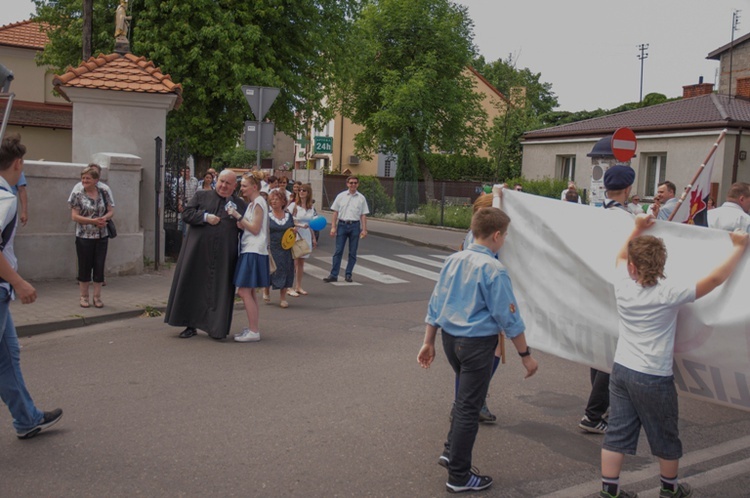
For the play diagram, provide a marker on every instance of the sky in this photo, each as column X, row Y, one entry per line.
column 587, row 49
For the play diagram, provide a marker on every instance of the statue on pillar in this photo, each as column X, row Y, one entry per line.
column 122, row 28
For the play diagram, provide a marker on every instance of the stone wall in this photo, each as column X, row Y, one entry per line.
column 46, row 245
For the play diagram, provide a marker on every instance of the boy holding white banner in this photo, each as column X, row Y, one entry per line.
column 473, row 300
column 642, row 389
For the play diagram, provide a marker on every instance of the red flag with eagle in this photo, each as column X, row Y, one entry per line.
column 693, row 205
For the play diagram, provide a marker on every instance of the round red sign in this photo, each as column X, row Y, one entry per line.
column 623, row 144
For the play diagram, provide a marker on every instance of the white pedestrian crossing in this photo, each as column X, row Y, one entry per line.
column 364, row 273
column 420, row 259
column 392, row 263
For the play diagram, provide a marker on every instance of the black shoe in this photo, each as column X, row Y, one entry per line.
column 486, row 416
column 330, row 279
column 188, row 333
column 50, row 419
column 474, row 483
column 348, row 278
column 444, row 459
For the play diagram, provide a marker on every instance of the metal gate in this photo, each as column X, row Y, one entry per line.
column 176, row 156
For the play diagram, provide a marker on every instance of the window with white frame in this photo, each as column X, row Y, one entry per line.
column 567, row 168
column 656, row 173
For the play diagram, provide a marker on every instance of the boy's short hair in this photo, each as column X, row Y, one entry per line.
column 11, row 149
column 649, row 255
column 487, row 221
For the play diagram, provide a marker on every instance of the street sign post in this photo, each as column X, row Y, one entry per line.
column 623, row 144
column 323, row 145
column 260, row 99
column 264, row 132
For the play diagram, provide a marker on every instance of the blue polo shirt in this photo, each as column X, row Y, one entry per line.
column 474, row 297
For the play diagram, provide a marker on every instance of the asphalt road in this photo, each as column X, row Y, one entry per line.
column 331, row 402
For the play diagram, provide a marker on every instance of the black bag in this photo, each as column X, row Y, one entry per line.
column 111, row 228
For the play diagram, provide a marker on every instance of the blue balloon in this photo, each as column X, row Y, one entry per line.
column 318, row 223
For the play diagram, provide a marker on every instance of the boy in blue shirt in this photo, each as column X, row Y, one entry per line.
column 472, row 302
column 641, row 385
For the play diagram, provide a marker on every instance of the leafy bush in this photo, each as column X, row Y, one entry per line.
column 453, row 216
column 378, row 201
column 546, row 187
column 456, row 167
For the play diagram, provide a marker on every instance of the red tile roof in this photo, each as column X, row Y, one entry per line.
column 705, row 112
column 38, row 114
column 125, row 73
column 24, row 34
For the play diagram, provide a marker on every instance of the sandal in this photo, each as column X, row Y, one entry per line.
column 266, row 298
column 98, row 302
column 301, row 292
column 292, row 293
column 85, row 302
column 284, row 304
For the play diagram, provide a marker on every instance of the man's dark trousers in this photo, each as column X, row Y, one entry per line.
column 471, row 358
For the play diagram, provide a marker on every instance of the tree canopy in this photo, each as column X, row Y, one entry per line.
column 213, row 48
column 404, row 79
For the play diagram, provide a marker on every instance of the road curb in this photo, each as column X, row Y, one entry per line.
column 33, row 329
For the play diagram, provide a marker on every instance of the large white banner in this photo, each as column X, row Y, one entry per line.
column 561, row 257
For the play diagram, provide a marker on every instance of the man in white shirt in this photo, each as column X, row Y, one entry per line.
column 349, row 223
column 733, row 213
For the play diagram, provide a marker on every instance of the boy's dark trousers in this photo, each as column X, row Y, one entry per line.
column 471, row 358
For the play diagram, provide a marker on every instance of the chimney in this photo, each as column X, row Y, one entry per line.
column 697, row 90
column 743, row 87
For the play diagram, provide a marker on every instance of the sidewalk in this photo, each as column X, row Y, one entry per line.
column 57, row 308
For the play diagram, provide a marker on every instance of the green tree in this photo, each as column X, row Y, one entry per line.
column 406, row 181
column 405, row 77
column 213, row 48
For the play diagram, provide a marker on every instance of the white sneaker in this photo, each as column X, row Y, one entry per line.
column 247, row 335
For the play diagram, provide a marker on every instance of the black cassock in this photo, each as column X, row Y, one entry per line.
column 202, row 294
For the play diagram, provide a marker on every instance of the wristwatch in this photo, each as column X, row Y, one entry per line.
column 525, row 353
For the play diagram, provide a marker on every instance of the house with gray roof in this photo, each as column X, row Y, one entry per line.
column 673, row 138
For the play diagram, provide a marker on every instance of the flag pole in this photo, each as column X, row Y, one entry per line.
column 689, row 186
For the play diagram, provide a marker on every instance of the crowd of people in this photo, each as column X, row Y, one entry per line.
column 256, row 240
column 638, row 393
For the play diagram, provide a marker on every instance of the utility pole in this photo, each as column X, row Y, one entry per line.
column 642, row 56
column 735, row 26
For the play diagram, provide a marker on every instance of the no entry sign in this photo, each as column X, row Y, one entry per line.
column 623, row 144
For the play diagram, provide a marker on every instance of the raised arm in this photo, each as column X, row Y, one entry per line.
column 642, row 223
column 721, row 273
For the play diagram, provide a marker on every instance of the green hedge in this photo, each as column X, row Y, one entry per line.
column 454, row 167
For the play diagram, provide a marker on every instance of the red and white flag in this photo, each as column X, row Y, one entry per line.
column 694, row 209
column 693, row 205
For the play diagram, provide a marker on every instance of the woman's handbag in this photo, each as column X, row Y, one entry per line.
column 271, row 263
column 300, row 248
column 111, row 228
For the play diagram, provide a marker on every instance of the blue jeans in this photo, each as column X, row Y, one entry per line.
column 638, row 399
column 471, row 358
column 12, row 388
column 344, row 232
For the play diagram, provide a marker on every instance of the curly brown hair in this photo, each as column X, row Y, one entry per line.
column 649, row 255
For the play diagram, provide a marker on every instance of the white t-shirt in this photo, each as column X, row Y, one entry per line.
column 8, row 209
column 648, row 321
column 257, row 244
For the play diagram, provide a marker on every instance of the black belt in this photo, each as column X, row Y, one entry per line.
column 348, row 222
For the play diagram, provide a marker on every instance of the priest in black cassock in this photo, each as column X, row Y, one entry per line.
column 202, row 294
